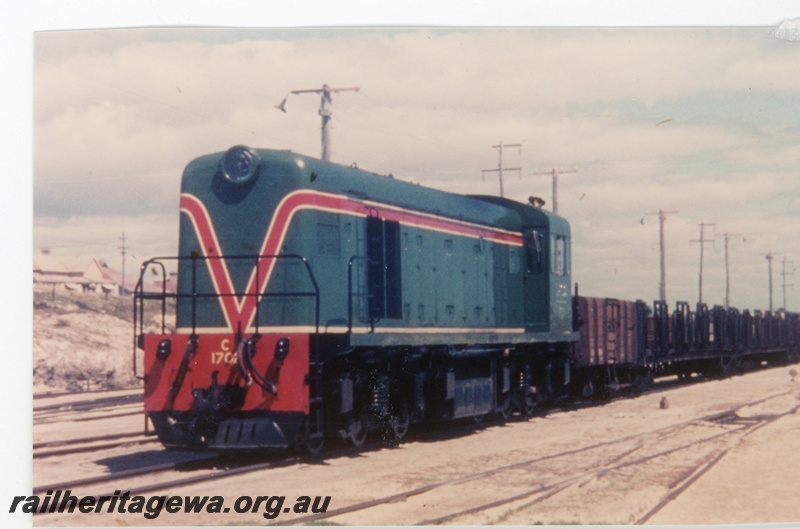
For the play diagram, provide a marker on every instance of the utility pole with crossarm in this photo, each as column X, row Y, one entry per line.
column 727, row 237
column 500, row 167
column 325, row 111
column 784, row 273
column 554, row 173
column 702, row 241
column 662, row 217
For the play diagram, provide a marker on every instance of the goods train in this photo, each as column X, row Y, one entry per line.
column 318, row 302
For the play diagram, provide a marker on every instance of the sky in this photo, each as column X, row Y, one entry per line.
column 704, row 122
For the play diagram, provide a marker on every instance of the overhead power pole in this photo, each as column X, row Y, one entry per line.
column 662, row 216
column 769, row 258
column 555, row 172
column 124, row 250
column 500, row 146
column 784, row 273
column 702, row 242
column 325, row 111
column 727, row 237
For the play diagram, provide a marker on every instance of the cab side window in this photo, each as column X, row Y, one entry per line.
column 559, row 255
column 533, row 244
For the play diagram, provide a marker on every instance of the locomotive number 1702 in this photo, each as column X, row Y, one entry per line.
column 226, row 356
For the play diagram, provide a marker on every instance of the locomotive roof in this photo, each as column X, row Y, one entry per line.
column 313, row 173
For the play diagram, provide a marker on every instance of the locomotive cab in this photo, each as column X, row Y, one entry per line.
column 544, row 270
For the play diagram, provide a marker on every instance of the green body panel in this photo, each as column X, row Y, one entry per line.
column 451, row 285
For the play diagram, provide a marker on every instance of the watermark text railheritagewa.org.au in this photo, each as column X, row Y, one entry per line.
column 270, row 507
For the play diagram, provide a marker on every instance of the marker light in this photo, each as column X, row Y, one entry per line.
column 164, row 349
column 240, row 164
column 282, row 348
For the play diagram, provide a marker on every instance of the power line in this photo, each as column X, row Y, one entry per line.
column 395, row 132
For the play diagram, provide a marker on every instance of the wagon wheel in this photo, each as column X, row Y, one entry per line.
column 587, row 391
column 639, row 383
column 729, row 365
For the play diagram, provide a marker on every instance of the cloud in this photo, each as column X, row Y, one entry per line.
column 118, row 114
column 147, row 235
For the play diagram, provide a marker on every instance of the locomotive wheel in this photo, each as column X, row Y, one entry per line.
column 357, row 431
column 529, row 403
column 313, row 447
column 399, row 423
column 506, row 407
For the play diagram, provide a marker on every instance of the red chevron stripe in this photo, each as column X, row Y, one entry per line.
column 242, row 311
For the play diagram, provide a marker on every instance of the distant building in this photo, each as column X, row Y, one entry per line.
column 154, row 284
column 52, row 272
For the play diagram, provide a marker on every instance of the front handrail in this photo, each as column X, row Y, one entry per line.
column 140, row 295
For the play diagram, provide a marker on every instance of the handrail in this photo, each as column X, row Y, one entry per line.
column 371, row 321
column 139, row 294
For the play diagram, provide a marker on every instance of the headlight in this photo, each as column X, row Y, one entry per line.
column 240, row 164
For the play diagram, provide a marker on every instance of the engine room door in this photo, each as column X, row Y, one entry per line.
column 383, row 269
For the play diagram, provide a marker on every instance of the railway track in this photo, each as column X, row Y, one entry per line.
column 728, row 428
column 61, row 394
column 207, row 466
column 88, row 405
column 624, row 453
column 88, row 410
column 75, row 412
column 680, row 486
column 89, row 444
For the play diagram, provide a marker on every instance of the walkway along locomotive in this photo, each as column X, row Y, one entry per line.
column 319, row 301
